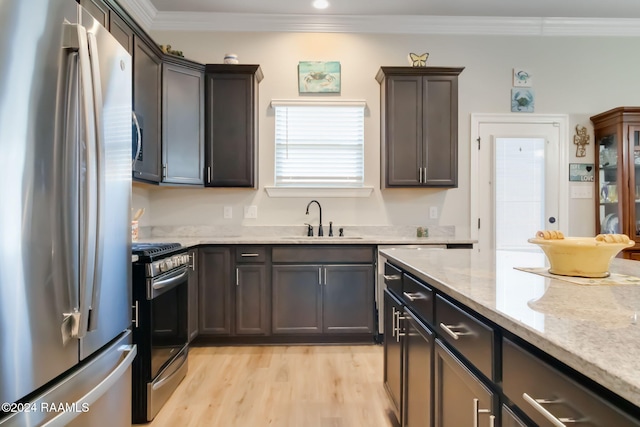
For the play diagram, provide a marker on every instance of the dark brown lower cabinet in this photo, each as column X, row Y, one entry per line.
column 418, row 372
column 550, row 397
column 347, row 299
column 192, row 317
column 215, row 295
column 252, row 305
column 316, row 298
column 393, row 354
column 461, row 399
column 297, row 299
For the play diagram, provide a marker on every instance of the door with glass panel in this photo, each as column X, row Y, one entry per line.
column 518, row 183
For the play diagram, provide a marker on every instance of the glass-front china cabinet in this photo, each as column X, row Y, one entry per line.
column 617, row 159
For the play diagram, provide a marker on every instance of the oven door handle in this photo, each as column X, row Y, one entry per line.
column 166, row 283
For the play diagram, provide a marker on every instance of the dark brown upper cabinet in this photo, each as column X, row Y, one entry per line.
column 147, row 89
column 419, row 126
column 231, row 125
column 121, row 31
column 98, row 9
column 182, row 122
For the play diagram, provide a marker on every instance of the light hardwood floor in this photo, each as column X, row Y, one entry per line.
column 280, row 386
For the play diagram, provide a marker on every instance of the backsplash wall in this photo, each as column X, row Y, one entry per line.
column 578, row 76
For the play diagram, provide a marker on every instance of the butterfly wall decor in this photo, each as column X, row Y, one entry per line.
column 418, row 60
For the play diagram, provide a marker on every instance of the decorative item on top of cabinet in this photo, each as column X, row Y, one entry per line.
column 617, row 160
column 231, row 125
column 419, row 126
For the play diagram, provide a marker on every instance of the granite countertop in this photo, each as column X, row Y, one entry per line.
column 591, row 328
column 295, row 235
column 297, row 240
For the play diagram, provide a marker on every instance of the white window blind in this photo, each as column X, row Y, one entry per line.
column 319, row 145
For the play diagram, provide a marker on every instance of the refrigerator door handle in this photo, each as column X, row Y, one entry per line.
column 88, row 203
column 99, row 178
column 138, row 139
column 99, row 390
column 69, row 188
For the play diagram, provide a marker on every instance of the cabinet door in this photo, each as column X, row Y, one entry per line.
column 215, row 297
column 147, row 71
column 348, row 305
column 403, row 131
column 297, row 299
column 461, row 399
column 231, row 130
column 252, row 306
column 634, row 179
column 440, row 131
column 121, row 32
column 182, row 125
column 98, row 9
column 392, row 375
column 418, row 373
column 193, row 295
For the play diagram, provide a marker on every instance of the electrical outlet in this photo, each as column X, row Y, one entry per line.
column 433, row 212
column 251, row 212
column 228, row 212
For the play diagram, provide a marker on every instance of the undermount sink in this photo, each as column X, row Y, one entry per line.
column 321, row 237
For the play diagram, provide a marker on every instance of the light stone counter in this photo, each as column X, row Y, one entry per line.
column 593, row 329
column 267, row 235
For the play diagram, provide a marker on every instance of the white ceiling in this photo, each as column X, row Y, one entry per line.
column 477, row 17
column 502, row 8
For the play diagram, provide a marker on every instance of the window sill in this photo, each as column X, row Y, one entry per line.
column 307, row 192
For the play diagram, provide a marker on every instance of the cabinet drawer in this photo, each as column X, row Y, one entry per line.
column 323, row 254
column 419, row 297
column 393, row 279
column 542, row 392
column 472, row 338
column 251, row 254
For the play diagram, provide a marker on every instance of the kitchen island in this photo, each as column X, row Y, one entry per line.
column 591, row 329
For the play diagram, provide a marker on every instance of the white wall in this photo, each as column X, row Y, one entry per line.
column 579, row 76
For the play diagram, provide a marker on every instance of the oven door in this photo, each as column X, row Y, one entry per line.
column 169, row 329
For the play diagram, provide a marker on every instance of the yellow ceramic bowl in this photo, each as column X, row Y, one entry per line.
column 580, row 256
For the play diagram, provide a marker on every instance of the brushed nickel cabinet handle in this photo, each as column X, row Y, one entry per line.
column 477, row 411
column 414, row 296
column 558, row 422
column 237, row 276
column 449, row 329
column 248, row 255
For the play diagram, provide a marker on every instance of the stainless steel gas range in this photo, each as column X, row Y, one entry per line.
column 160, row 325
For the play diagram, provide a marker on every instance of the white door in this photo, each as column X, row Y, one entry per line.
column 520, row 184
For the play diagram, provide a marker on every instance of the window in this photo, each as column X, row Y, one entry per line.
column 319, row 144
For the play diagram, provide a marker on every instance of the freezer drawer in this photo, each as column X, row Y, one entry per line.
column 97, row 393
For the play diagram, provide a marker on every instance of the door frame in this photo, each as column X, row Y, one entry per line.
column 560, row 120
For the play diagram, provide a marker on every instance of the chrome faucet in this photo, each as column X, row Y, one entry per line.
column 320, row 233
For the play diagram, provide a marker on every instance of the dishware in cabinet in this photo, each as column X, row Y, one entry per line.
column 617, row 144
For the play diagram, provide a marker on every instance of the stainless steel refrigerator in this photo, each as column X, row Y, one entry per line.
column 65, row 195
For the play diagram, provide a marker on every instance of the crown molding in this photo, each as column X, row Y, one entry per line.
column 448, row 25
column 142, row 11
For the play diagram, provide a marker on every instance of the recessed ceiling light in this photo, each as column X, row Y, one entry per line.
column 320, row 4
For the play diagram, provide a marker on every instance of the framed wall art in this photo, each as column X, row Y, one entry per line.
column 319, row 77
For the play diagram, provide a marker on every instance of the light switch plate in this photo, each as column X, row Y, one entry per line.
column 433, row 212
column 251, row 212
column 582, row 192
